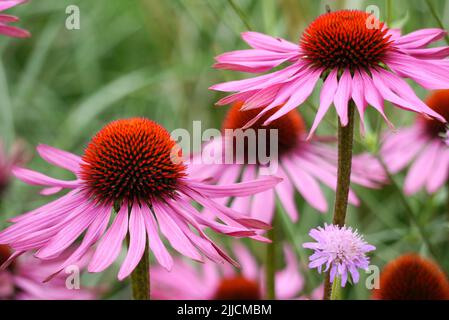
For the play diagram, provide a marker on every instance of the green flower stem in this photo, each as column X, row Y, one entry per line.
column 241, row 14
column 345, row 143
column 336, row 289
column 140, row 278
column 270, row 263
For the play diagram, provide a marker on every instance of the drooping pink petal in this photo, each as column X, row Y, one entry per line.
column 440, row 170
column 342, row 96
column 60, row 158
column 420, row 169
column 263, row 206
column 174, row 234
column 67, row 235
column 264, row 42
column 155, row 242
column 110, row 245
column 326, row 98
column 304, row 89
column 286, row 194
column 306, row 185
column 241, row 189
column 249, row 265
column 420, row 38
column 38, row 179
column 137, row 242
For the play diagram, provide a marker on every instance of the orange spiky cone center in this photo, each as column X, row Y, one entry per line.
column 132, row 159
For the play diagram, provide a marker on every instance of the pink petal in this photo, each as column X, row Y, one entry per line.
column 286, row 194
column 264, row 42
column 420, row 38
column 155, row 242
column 174, row 234
column 38, row 179
column 306, row 185
column 137, row 242
column 326, row 98
column 110, row 245
column 60, row 158
column 342, row 96
column 421, row 169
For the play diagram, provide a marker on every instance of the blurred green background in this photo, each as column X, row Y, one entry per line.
column 153, row 58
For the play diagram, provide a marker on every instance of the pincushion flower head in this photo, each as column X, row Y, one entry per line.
column 131, row 165
column 411, row 277
column 24, row 280
column 358, row 57
column 222, row 282
column 341, row 250
column 422, row 145
column 302, row 164
column 6, row 19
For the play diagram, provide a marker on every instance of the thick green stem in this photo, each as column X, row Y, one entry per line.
column 345, row 142
column 270, row 263
column 336, row 289
column 140, row 278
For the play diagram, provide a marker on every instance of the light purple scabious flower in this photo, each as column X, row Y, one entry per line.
column 340, row 249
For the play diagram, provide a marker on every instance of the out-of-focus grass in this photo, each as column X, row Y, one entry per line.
column 152, row 58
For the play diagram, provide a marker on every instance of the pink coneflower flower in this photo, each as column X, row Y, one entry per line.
column 303, row 165
column 423, row 146
column 358, row 57
column 340, row 250
column 221, row 282
column 15, row 157
column 24, row 280
column 5, row 19
column 134, row 166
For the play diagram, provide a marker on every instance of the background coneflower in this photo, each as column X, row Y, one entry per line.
column 303, row 164
column 411, row 277
column 421, row 145
column 129, row 165
column 210, row 281
column 24, row 280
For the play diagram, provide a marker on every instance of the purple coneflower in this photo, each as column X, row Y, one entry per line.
column 6, row 19
column 358, row 57
column 423, row 146
column 134, row 166
column 24, row 280
column 303, row 165
column 221, row 282
column 340, row 250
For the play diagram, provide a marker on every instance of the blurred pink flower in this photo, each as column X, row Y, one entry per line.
column 302, row 164
column 341, row 250
column 358, row 57
column 16, row 156
column 5, row 19
column 421, row 145
column 211, row 281
column 24, row 280
column 129, row 165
